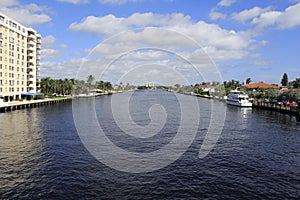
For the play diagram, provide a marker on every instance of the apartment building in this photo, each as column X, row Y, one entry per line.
column 19, row 59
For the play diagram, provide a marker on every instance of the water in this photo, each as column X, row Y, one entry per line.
column 42, row 157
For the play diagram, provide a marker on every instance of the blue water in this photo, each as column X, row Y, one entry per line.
column 257, row 155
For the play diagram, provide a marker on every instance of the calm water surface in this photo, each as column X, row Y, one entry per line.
column 256, row 157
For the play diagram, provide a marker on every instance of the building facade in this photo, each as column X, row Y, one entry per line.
column 19, row 59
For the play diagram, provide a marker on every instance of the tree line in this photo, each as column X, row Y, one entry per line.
column 61, row 87
column 293, row 94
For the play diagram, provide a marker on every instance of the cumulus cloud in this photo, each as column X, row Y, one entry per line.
column 204, row 33
column 172, row 40
column 289, row 18
column 48, row 51
column 226, row 2
column 248, row 14
column 214, row 15
column 48, row 41
column 74, row 1
column 28, row 14
column 111, row 24
column 66, row 69
column 117, row 2
column 266, row 19
column 5, row 3
column 50, row 54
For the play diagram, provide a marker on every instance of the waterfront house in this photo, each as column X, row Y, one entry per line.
column 262, row 85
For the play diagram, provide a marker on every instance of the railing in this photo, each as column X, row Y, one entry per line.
column 275, row 106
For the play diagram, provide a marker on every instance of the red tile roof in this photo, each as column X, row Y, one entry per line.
column 260, row 85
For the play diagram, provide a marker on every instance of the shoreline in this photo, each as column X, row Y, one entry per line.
column 18, row 105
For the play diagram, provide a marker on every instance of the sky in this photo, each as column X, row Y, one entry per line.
column 164, row 41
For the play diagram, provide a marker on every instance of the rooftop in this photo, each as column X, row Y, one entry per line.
column 260, row 85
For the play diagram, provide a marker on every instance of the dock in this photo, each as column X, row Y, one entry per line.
column 294, row 111
column 18, row 105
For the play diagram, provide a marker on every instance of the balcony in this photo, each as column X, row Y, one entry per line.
column 30, row 54
column 31, row 49
column 31, row 60
column 32, row 36
column 32, row 73
column 31, row 43
column 31, row 67
column 31, row 85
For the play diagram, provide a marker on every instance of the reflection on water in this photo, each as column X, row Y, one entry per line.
column 21, row 148
column 256, row 156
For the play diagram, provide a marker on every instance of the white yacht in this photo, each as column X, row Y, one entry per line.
column 238, row 98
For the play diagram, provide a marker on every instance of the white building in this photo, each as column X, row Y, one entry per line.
column 150, row 84
column 19, row 59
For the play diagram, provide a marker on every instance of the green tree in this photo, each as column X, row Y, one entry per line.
column 296, row 83
column 248, row 80
column 291, row 95
column 284, row 80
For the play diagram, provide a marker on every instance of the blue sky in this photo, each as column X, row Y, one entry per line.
column 164, row 41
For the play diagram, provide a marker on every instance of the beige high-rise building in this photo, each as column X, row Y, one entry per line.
column 19, row 59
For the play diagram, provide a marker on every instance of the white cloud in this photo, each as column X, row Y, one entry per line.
column 289, row 18
column 5, row 3
column 202, row 32
column 226, row 2
column 48, row 41
column 117, row 2
column 66, row 69
column 50, row 54
column 214, row 15
column 28, row 15
column 169, row 40
column 74, row 1
column 63, row 46
column 258, row 45
column 266, row 19
column 110, row 24
column 245, row 15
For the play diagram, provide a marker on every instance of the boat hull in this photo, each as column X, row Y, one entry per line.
column 239, row 104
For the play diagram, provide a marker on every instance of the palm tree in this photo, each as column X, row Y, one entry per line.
column 248, row 80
